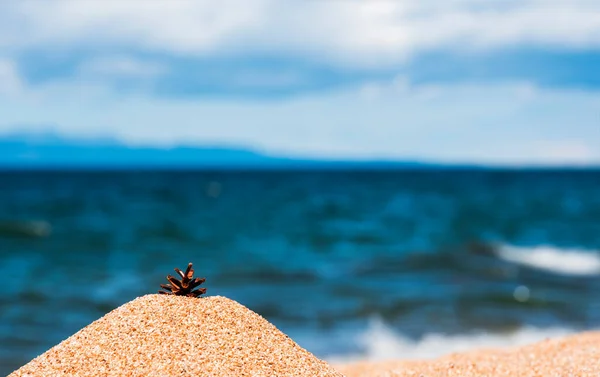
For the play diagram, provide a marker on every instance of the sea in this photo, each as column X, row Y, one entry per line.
column 351, row 264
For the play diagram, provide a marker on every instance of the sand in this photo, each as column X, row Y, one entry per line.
column 164, row 335
column 577, row 355
column 160, row 335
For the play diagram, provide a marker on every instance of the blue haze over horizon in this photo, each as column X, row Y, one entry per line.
column 50, row 150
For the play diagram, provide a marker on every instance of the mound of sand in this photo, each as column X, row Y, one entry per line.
column 577, row 355
column 163, row 335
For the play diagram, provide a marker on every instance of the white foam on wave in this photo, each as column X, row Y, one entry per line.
column 557, row 260
column 380, row 342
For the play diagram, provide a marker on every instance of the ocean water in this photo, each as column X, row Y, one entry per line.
column 351, row 264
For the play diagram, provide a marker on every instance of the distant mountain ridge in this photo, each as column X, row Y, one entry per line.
column 26, row 150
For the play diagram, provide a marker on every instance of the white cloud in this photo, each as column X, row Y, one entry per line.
column 179, row 25
column 349, row 32
column 452, row 123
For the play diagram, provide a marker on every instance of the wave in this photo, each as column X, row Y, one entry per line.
column 380, row 342
column 553, row 259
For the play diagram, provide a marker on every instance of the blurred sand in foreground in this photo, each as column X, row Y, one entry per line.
column 577, row 355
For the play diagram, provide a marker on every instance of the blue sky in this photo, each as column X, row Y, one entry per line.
column 502, row 82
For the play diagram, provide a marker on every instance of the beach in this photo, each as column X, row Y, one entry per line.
column 167, row 335
column 364, row 188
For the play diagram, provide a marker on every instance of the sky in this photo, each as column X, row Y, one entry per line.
column 485, row 81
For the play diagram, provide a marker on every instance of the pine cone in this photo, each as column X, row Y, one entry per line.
column 185, row 286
